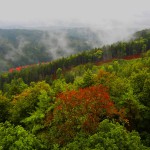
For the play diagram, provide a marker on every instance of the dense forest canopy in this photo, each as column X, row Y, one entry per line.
column 96, row 99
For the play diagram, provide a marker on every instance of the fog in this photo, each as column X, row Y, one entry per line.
column 111, row 20
column 103, row 22
column 15, row 52
column 100, row 13
column 57, row 44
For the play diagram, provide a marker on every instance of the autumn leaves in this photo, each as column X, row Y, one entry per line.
column 81, row 110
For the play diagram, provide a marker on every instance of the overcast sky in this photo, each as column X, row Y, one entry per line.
column 101, row 13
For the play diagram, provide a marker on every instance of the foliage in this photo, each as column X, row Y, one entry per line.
column 87, row 79
column 19, row 47
column 15, row 87
column 4, row 107
column 82, row 110
column 35, row 121
column 27, row 101
column 109, row 136
column 96, row 99
column 16, row 137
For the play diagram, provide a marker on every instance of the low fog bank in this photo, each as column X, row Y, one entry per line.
column 41, row 44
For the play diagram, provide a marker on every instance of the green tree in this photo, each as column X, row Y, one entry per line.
column 16, row 137
column 108, row 136
column 15, row 87
column 59, row 73
column 69, row 77
column 137, row 82
column 88, row 79
column 26, row 102
column 4, row 107
column 35, row 121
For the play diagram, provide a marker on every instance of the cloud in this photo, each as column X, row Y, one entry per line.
column 108, row 20
column 15, row 52
column 87, row 12
column 57, row 44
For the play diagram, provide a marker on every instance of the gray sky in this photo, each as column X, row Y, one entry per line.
column 101, row 13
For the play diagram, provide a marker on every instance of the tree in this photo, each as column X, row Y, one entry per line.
column 137, row 82
column 16, row 137
column 82, row 110
column 87, row 79
column 69, row 77
column 15, row 87
column 4, row 107
column 59, row 73
column 110, row 135
column 35, row 121
column 26, row 102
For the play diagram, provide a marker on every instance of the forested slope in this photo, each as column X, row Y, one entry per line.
column 19, row 47
column 47, row 71
column 89, row 106
column 78, row 102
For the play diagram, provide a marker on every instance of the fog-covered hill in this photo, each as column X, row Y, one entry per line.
column 19, row 47
column 22, row 47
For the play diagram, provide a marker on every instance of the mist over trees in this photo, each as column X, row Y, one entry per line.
column 95, row 99
column 19, row 47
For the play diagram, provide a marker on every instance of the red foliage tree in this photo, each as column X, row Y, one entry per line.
column 82, row 110
column 11, row 70
column 18, row 68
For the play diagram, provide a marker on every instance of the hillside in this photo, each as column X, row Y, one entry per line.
column 20, row 47
column 42, row 71
column 96, row 99
column 88, row 106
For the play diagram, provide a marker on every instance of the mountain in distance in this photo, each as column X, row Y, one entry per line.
column 20, row 47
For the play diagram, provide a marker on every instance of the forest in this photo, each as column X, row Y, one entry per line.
column 96, row 99
column 20, row 47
